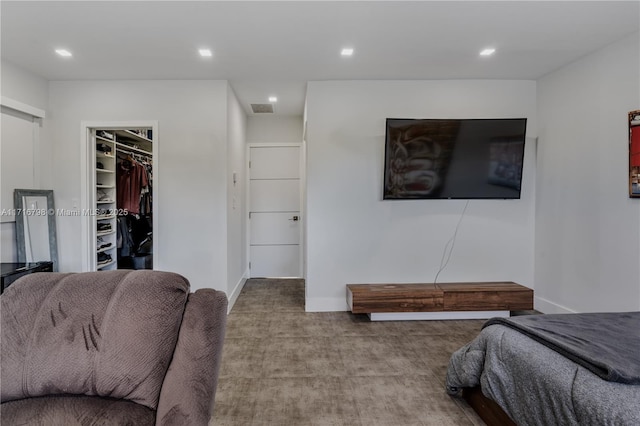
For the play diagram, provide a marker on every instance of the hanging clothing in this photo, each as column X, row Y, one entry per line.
column 134, row 201
column 124, row 240
column 131, row 179
column 146, row 202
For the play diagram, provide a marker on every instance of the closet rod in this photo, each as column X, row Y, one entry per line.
column 135, row 154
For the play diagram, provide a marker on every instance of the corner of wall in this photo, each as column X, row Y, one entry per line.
column 235, row 293
column 547, row 307
column 326, row 304
column 236, row 253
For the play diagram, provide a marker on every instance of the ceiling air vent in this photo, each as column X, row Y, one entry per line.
column 262, row 108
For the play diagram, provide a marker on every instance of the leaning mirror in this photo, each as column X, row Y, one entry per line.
column 634, row 154
column 36, row 226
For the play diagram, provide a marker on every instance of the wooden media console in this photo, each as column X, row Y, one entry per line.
column 438, row 301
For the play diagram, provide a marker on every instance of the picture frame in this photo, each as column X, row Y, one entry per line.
column 36, row 237
column 634, row 154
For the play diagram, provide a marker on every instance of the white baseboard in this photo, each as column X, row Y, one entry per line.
column 233, row 297
column 450, row 315
column 547, row 307
column 325, row 304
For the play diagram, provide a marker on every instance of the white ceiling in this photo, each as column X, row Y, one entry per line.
column 273, row 48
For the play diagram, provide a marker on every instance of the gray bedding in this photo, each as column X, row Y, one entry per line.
column 536, row 385
column 605, row 343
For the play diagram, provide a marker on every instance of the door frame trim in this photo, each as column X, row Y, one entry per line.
column 302, row 195
column 88, row 175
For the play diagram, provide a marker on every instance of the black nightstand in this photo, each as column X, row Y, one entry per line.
column 13, row 271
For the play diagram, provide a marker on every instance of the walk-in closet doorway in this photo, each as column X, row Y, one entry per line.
column 119, row 172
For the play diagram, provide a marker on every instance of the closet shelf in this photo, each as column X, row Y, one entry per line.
column 105, row 265
column 104, row 171
column 103, row 155
column 100, row 138
column 102, row 234
column 125, row 147
column 105, row 186
column 106, row 249
column 128, row 134
column 125, row 137
column 106, row 202
column 105, row 217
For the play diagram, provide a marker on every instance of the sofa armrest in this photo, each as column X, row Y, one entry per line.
column 189, row 387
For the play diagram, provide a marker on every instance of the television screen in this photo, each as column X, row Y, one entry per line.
column 453, row 158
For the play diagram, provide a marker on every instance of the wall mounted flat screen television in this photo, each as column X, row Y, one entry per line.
column 454, row 158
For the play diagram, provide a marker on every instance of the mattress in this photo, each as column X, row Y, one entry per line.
column 535, row 385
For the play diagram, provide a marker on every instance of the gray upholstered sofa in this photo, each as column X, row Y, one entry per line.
column 109, row 348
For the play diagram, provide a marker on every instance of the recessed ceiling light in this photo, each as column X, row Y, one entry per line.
column 205, row 53
column 63, row 52
column 273, row 99
column 488, row 51
column 347, row 51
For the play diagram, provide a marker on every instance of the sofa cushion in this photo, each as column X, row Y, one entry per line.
column 104, row 333
column 72, row 410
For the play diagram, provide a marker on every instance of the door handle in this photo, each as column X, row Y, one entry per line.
column 295, row 218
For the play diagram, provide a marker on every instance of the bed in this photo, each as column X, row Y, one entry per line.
column 565, row 369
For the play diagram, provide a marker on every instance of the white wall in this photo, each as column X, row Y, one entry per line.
column 30, row 89
column 587, row 228
column 355, row 237
column 237, row 263
column 190, row 173
column 24, row 86
column 274, row 129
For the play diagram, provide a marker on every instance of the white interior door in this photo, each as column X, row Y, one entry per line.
column 274, row 217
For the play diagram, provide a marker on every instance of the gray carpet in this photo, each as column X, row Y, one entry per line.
column 282, row 366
